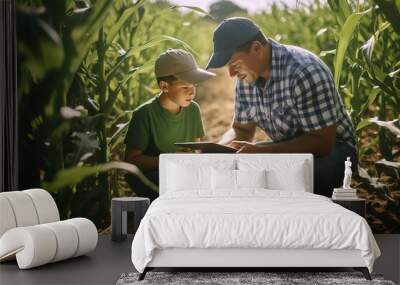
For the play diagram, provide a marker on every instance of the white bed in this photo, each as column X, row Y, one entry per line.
column 213, row 212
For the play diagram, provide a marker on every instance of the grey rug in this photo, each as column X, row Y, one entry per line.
column 242, row 278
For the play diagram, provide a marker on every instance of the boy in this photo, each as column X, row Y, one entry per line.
column 170, row 117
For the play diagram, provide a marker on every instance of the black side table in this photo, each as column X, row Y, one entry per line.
column 119, row 208
column 356, row 205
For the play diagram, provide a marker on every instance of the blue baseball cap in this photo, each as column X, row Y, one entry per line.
column 230, row 34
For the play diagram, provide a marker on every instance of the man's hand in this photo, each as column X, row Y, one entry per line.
column 242, row 132
column 245, row 147
column 319, row 143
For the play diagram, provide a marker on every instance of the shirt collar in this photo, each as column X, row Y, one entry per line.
column 278, row 61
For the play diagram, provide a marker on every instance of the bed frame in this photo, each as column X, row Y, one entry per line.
column 242, row 259
column 250, row 258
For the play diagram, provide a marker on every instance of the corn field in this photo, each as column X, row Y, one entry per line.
column 83, row 66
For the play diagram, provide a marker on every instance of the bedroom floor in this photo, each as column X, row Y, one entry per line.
column 103, row 266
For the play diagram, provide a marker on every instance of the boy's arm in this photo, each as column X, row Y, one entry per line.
column 144, row 162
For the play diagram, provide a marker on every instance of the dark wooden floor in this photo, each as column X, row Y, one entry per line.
column 102, row 266
column 110, row 259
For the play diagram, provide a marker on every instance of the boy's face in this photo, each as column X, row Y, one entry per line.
column 181, row 92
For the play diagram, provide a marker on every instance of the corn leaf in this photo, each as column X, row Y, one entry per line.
column 345, row 36
column 391, row 12
column 126, row 15
column 74, row 175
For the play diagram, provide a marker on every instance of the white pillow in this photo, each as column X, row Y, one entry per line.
column 188, row 177
column 223, row 179
column 281, row 174
column 228, row 179
column 187, row 173
column 251, row 178
column 292, row 179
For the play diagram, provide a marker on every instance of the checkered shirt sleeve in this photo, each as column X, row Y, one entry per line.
column 314, row 96
column 245, row 103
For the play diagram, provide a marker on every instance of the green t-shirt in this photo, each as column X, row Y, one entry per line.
column 154, row 130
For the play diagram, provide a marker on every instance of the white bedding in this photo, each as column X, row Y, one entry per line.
column 251, row 218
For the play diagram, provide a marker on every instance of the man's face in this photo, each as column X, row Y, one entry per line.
column 181, row 92
column 243, row 65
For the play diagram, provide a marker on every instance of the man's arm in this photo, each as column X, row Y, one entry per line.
column 239, row 132
column 318, row 142
column 144, row 162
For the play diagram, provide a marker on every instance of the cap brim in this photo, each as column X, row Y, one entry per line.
column 194, row 76
column 219, row 59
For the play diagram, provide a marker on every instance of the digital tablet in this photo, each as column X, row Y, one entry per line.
column 207, row 147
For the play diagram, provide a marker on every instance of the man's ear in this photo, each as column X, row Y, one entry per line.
column 256, row 47
column 164, row 86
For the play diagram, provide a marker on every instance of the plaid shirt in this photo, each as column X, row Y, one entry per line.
column 298, row 97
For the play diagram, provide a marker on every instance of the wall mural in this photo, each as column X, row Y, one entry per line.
column 84, row 67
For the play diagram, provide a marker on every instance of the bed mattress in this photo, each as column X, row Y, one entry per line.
column 250, row 219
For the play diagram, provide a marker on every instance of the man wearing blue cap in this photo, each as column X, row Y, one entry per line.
column 289, row 93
